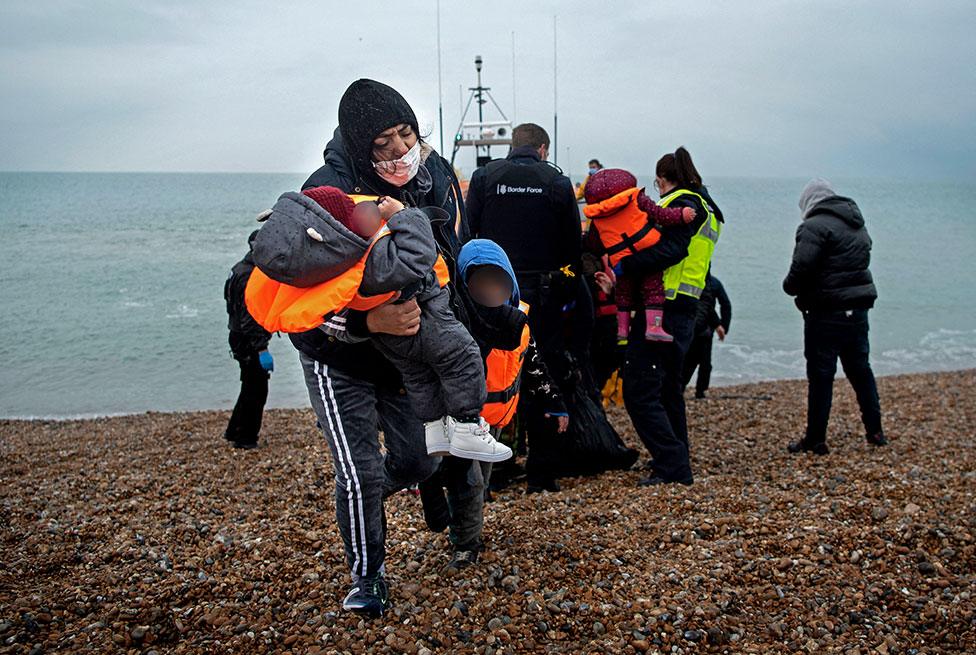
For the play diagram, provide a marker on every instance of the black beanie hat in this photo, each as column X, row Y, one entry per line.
column 367, row 108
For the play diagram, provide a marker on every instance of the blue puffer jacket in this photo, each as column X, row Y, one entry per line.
column 435, row 186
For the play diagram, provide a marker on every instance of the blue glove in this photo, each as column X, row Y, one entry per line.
column 618, row 269
column 266, row 360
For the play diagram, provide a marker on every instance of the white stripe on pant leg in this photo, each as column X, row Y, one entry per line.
column 345, row 471
column 352, row 468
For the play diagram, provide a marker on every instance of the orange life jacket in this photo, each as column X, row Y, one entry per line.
column 281, row 307
column 623, row 228
column 505, row 380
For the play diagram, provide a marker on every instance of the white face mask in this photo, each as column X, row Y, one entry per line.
column 400, row 171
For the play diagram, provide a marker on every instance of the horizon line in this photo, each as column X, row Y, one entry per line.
column 640, row 174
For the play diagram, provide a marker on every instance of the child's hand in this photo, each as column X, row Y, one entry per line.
column 603, row 282
column 688, row 214
column 389, row 206
column 562, row 421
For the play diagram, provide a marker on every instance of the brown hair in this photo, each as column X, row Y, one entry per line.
column 529, row 134
column 678, row 169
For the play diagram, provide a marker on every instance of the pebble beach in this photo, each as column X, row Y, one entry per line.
column 148, row 533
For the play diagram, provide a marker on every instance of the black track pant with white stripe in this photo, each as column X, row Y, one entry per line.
column 350, row 413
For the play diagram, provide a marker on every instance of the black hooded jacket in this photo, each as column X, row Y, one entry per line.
column 247, row 338
column 443, row 192
column 831, row 259
column 706, row 318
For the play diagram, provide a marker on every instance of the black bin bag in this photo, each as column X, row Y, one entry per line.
column 591, row 445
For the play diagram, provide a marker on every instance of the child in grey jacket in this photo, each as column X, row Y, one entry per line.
column 441, row 364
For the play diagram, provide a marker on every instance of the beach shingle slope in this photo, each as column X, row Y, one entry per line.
column 148, row 533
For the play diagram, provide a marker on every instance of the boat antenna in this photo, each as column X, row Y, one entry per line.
column 555, row 99
column 481, row 135
column 440, row 94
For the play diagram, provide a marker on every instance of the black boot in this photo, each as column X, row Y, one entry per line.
column 538, row 486
column 877, row 439
column 246, row 445
column 655, row 480
column 803, row 447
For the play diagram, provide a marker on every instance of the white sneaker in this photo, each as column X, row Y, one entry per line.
column 474, row 441
column 436, row 434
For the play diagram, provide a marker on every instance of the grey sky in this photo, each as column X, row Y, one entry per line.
column 768, row 87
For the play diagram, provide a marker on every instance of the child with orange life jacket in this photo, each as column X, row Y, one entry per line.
column 518, row 381
column 394, row 253
column 512, row 361
column 624, row 221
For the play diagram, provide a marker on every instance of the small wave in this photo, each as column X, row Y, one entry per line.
column 936, row 350
column 83, row 416
column 184, row 311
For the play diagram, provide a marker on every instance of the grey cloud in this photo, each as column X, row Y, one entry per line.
column 770, row 88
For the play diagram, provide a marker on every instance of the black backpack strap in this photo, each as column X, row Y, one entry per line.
column 629, row 241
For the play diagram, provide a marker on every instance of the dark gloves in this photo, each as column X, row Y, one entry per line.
column 498, row 327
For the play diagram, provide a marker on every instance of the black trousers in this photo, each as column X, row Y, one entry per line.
column 604, row 351
column 828, row 337
column 653, row 376
column 700, row 357
column 465, row 481
column 245, row 420
column 542, row 465
column 546, row 299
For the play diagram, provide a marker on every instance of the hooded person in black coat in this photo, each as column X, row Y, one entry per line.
column 833, row 251
column 249, row 346
column 833, row 287
column 354, row 390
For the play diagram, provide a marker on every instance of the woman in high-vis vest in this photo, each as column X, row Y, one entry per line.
column 653, row 371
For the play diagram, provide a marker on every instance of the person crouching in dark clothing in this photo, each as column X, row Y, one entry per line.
column 708, row 323
column 249, row 346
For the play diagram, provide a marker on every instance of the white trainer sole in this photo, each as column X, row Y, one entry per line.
column 479, row 456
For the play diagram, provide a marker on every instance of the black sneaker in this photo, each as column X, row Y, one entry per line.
column 246, row 445
column 803, row 447
column 462, row 559
column 539, row 486
column 655, row 480
column 369, row 595
column 877, row 439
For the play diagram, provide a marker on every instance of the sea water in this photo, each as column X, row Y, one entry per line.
column 111, row 286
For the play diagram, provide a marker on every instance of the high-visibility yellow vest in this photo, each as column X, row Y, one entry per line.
column 688, row 276
column 505, row 380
